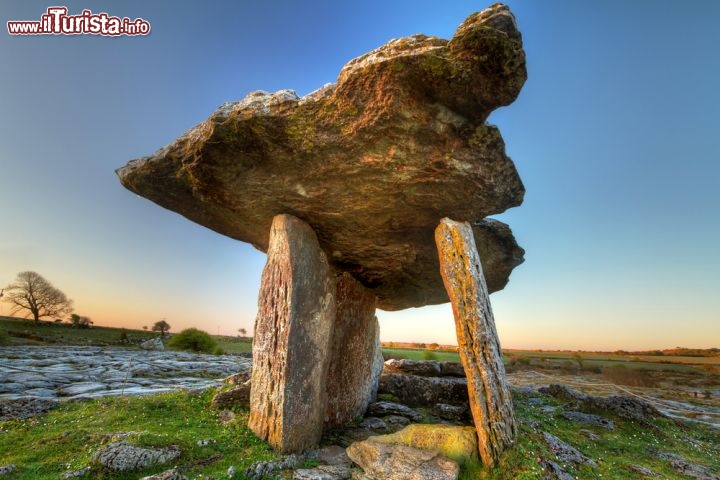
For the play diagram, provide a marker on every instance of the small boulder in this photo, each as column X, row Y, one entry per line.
column 7, row 469
column 20, row 408
column 399, row 462
column 456, row 443
column 375, row 424
column 76, row 473
column 239, row 378
column 235, row 397
column 330, row 455
column 684, row 467
column 154, row 344
column 172, row 474
column 123, row 457
column 396, row 422
column 645, row 472
column 588, row 419
column 454, row 413
column 323, row 472
column 380, row 409
column 566, row 452
column 418, row 391
column 424, row 368
column 555, row 471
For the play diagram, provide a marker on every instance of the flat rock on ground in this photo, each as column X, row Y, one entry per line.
column 399, row 462
column 51, row 372
column 123, row 457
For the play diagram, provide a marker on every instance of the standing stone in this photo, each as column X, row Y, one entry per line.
column 356, row 356
column 293, row 332
column 490, row 400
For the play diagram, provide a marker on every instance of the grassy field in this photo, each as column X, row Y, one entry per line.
column 420, row 354
column 64, row 440
column 63, row 334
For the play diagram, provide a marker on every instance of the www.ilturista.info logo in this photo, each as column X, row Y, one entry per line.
column 57, row 22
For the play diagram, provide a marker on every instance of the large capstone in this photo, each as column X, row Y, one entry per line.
column 371, row 162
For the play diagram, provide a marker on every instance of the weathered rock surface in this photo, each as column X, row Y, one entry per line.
column 155, row 344
column 172, row 474
column 456, row 443
column 261, row 470
column 454, row 413
column 356, row 356
column 588, row 419
column 686, row 468
column 623, row 406
column 424, row 368
column 417, row 391
column 566, row 452
column 85, row 372
column 293, row 333
column 555, row 471
column 399, row 462
column 7, row 469
column 20, row 408
column 235, row 397
column 323, row 472
column 124, row 457
column 381, row 409
column 478, row 344
column 371, row 162
column 330, row 455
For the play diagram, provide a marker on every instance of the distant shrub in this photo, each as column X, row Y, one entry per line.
column 218, row 351
column 428, row 355
column 193, row 340
column 633, row 377
column 4, row 337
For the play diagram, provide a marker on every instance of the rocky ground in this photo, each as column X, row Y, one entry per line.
column 420, row 425
column 74, row 372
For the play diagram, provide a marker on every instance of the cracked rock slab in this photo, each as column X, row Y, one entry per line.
column 124, row 457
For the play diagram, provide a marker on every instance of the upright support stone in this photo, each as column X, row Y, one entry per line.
column 490, row 399
column 356, row 358
column 293, row 332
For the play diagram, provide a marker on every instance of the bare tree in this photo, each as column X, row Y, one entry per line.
column 161, row 326
column 31, row 292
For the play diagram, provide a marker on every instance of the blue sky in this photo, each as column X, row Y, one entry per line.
column 616, row 136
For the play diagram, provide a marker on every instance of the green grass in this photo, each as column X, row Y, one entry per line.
column 234, row 345
column 65, row 438
column 629, row 444
column 63, row 334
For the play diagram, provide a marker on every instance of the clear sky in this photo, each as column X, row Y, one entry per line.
column 616, row 136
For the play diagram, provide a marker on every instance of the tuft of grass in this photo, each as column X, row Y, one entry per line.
column 64, row 439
